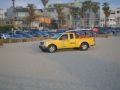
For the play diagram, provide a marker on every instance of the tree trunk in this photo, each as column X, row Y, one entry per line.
column 106, row 21
column 59, row 21
column 95, row 20
column 44, row 18
column 58, row 24
column 71, row 21
column 81, row 22
column 88, row 20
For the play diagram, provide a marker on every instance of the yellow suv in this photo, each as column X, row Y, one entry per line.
column 66, row 41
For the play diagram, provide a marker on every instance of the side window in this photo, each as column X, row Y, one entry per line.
column 71, row 36
column 64, row 37
column 77, row 35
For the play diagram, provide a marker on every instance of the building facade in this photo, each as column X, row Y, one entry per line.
column 113, row 19
column 2, row 16
column 19, row 15
column 73, row 21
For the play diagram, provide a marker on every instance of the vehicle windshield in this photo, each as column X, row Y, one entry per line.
column 55, row 36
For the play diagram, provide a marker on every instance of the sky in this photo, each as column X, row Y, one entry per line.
column 7, row 3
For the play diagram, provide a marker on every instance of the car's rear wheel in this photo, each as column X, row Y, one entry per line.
column 52, row 48
column 84, row 46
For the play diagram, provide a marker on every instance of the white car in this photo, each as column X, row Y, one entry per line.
column 5, row 36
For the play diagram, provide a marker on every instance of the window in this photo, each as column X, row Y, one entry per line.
column 112, row 12
column 77, row 35
column 71, row 36
column 64, row 37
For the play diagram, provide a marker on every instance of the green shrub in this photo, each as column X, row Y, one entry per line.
column 1, row 42
column 6, row 28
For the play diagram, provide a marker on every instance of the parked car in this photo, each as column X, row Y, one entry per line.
column 61, row 30
column 18, row 36
column 5, row 36
column 26, row 35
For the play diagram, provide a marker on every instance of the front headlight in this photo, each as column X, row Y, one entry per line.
column 45, row 43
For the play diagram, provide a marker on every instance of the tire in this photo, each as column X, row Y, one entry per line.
column 84, row 46
column 52, row 48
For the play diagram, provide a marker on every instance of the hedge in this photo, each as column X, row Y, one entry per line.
column 24, row 40
column 36, row 39
column 1, row 42
column 103, row 35
column 6, row 28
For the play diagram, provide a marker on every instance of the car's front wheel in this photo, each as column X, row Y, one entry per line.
column 52, row 48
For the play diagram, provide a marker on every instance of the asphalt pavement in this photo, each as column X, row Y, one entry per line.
column 23, row 66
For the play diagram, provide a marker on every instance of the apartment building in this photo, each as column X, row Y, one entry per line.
column 113, row 19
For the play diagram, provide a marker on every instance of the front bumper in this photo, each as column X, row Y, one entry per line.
column 93, row 44
column 43, row 47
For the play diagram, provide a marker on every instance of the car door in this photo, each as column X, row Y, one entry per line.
column 71, row 41
column 64, row 41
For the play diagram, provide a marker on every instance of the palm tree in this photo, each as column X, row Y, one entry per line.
column 32, row 15
column 81, row 13
column 44, row 3
column 59, row 9
column 95, row 8
column 13, row 2
column 74, row 11
column 105, row 8
column 87, row 5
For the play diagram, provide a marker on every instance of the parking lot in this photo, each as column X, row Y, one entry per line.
column 24, row 67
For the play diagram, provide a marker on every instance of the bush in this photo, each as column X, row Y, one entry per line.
column 1, row 42
column 6, row 28
column 103, row 35
column 23, row 40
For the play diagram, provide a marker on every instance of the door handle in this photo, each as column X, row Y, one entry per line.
column 72, row 42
